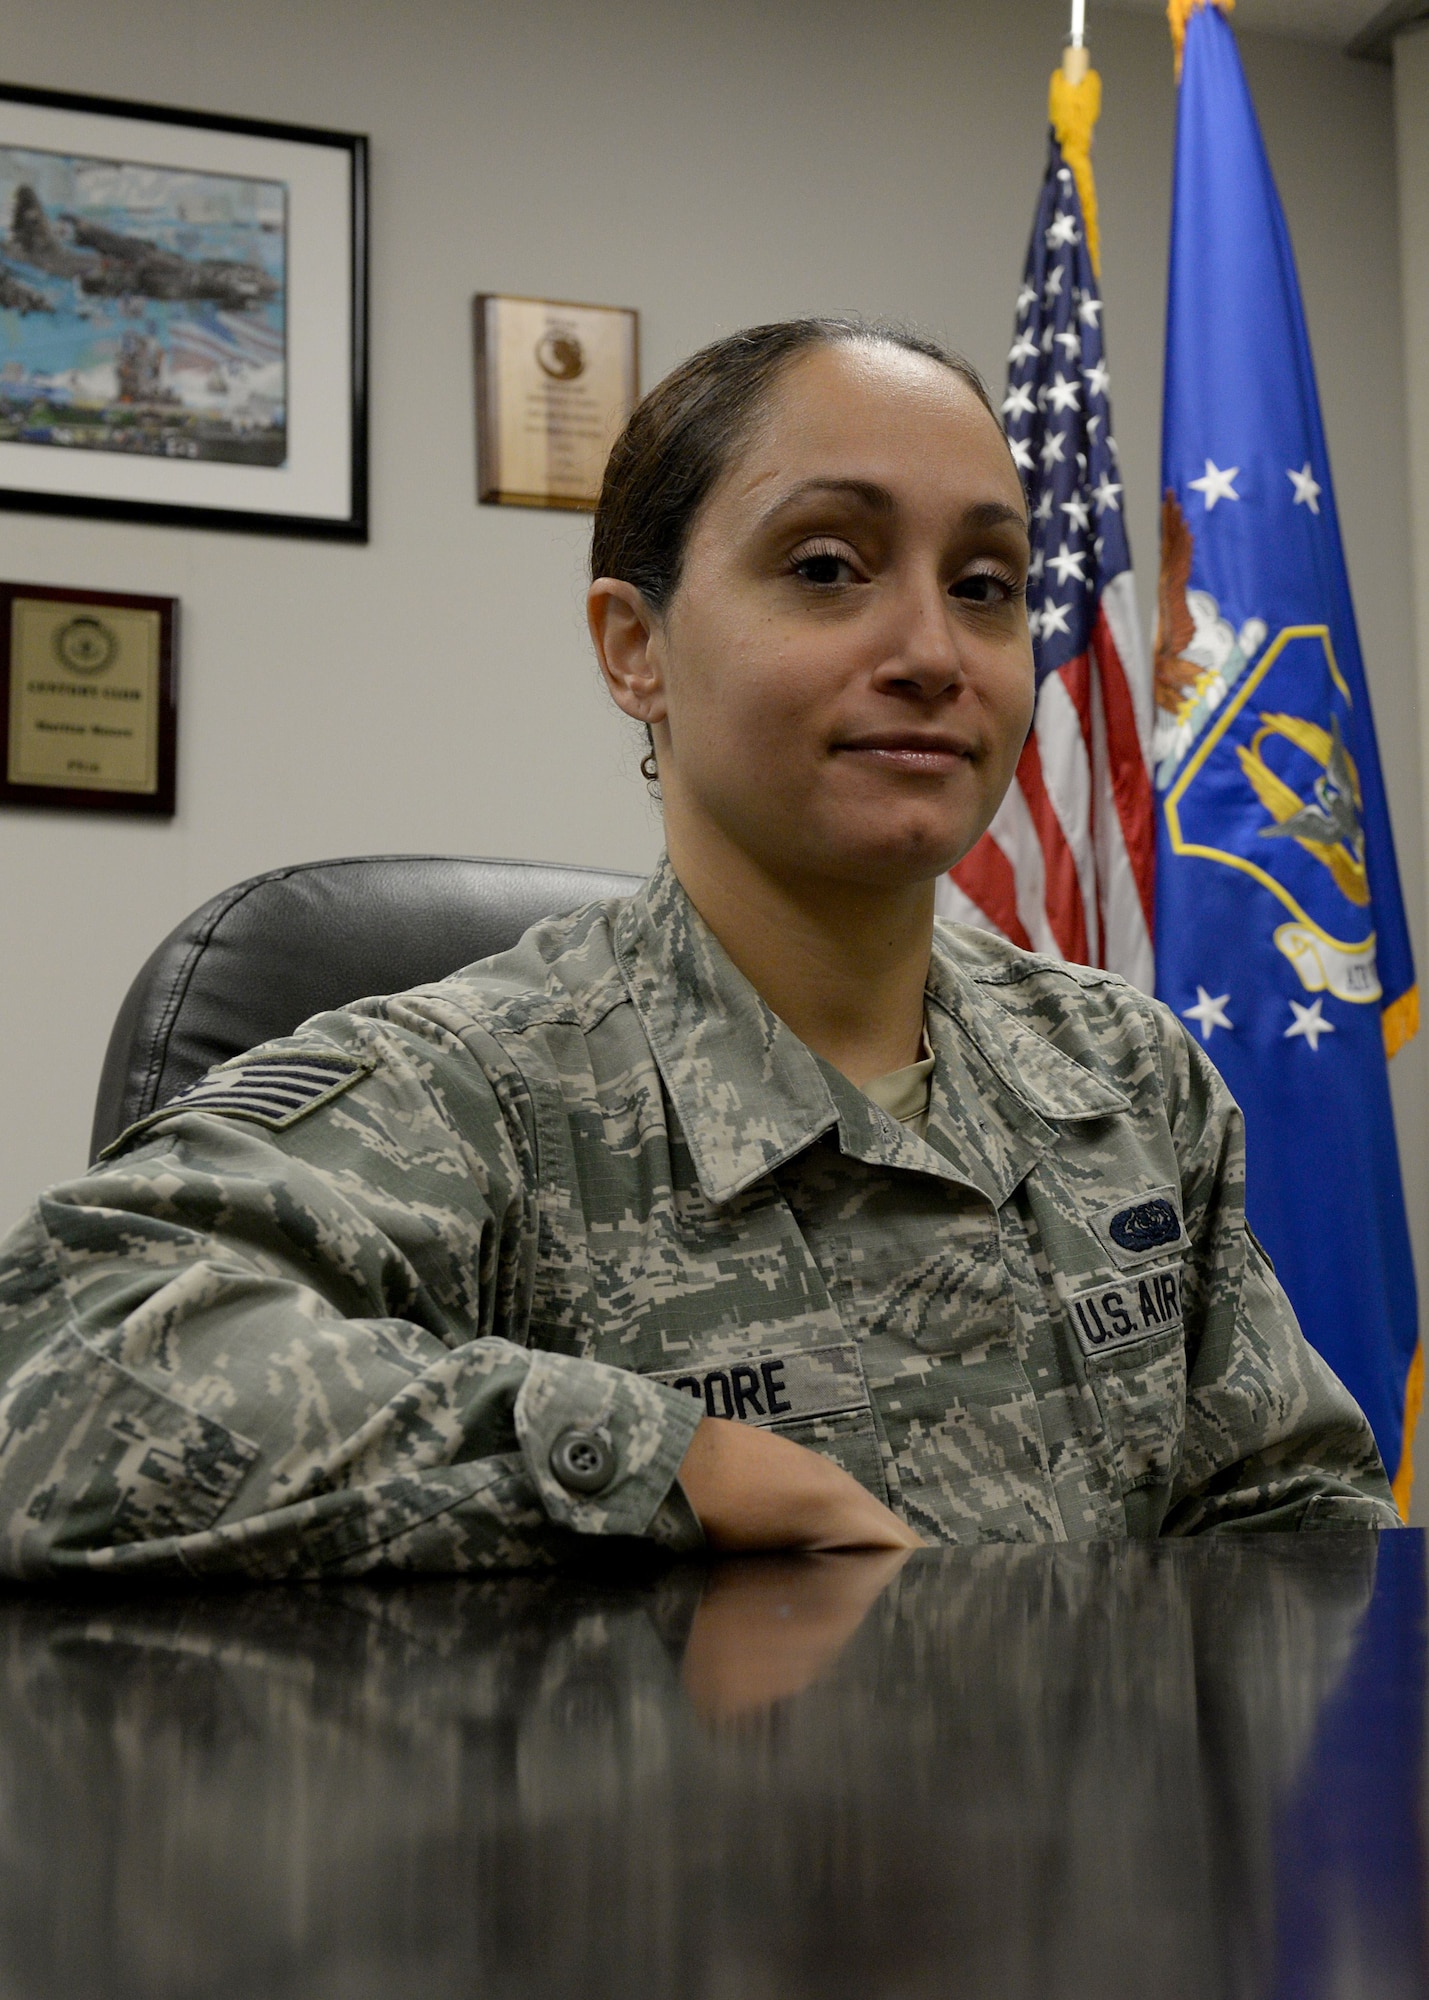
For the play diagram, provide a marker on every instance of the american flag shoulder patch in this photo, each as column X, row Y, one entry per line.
column 272, row 1089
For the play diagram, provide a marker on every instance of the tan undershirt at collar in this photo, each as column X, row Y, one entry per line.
column 904, row 1093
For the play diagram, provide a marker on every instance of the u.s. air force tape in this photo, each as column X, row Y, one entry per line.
column 272, row 1090
column 1144, row 1303
column 779, row 1388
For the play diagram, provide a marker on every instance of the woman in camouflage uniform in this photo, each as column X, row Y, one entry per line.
column 752, row 1211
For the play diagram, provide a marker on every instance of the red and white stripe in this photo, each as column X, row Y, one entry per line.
column 1067, row 865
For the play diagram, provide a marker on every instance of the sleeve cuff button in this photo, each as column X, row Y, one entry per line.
column 582, row 1461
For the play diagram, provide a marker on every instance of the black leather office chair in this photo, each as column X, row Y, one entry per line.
column 256, row 960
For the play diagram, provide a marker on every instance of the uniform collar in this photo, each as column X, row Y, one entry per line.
column 749, row 1095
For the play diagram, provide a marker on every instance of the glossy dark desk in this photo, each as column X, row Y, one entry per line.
column 1164, row 1771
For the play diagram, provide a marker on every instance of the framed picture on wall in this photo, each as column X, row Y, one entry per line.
column 183, row 317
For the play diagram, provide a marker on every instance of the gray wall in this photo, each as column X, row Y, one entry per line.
column 711, row 166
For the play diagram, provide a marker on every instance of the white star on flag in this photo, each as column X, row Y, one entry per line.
column 1088, row 309
column 1018, row 401
column 1055, row 616
column 1021, row 453
column 1216, row 485
column 1310, row 1023
column 1063, row 230
column 1026, row 299
column 1068, row 340
column 1034, row 568
column 1043, row 510
column 1077, row 512
column 1208, row 1013
column 1105, row 495
column 1052, row 446
column 1098, row 378
column 1022, row 349
column 1068, row 563
column 1063, row 395
column 1307, row 494
column 1053, row 287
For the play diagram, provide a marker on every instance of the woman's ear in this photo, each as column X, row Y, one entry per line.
column 628, row 642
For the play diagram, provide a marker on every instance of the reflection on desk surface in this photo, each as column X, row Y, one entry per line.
column 1161, row 1770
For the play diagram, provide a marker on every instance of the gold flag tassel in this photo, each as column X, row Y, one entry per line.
column 1073, row 103
column 1401, row 1021
column 1179, row 12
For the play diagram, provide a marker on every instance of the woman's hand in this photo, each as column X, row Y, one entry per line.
column 755, row 1490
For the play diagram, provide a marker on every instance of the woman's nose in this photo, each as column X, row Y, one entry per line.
column 924, row 655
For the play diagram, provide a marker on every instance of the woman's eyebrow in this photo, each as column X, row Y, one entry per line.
column 876, row 499
column 994, row 514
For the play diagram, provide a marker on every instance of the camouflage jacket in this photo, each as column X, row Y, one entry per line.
column 447, row 1280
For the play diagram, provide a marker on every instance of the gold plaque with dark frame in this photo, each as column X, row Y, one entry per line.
column 555, row 384
column 88, row 699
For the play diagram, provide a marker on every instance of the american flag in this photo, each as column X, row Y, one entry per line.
column 1066, row 866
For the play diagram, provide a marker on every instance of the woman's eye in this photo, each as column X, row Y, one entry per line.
column 982, row 587
column 824, row 566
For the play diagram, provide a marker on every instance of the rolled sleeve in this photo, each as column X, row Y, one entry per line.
column 640, row 1430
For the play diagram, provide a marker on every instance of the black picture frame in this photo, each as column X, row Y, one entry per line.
column 158, row 803
column 321, row 488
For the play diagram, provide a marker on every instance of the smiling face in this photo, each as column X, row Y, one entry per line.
column 841, row 683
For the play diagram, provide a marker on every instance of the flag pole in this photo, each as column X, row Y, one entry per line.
column 1075, row 59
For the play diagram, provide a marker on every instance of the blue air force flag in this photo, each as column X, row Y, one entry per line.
column 1280, row 934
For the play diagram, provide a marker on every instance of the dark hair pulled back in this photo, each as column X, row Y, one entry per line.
column 681, row 438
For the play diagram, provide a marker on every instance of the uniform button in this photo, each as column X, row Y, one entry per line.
column 582, row 1461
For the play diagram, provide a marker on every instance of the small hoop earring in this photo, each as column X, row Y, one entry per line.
column 649, row 769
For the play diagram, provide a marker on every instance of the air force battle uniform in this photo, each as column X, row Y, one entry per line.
column 447, row 1280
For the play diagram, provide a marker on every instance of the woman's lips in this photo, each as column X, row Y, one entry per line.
column 927, row 755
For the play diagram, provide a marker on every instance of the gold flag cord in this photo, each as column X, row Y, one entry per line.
column 1179, row 12
column 1073, row 103
column 1413, row 1400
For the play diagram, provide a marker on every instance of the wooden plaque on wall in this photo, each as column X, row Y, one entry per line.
column 555, row 384
column 88, row 699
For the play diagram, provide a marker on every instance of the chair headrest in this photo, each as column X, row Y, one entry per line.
column 263, row 956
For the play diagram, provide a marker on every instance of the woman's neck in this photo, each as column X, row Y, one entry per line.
column 844, row 966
